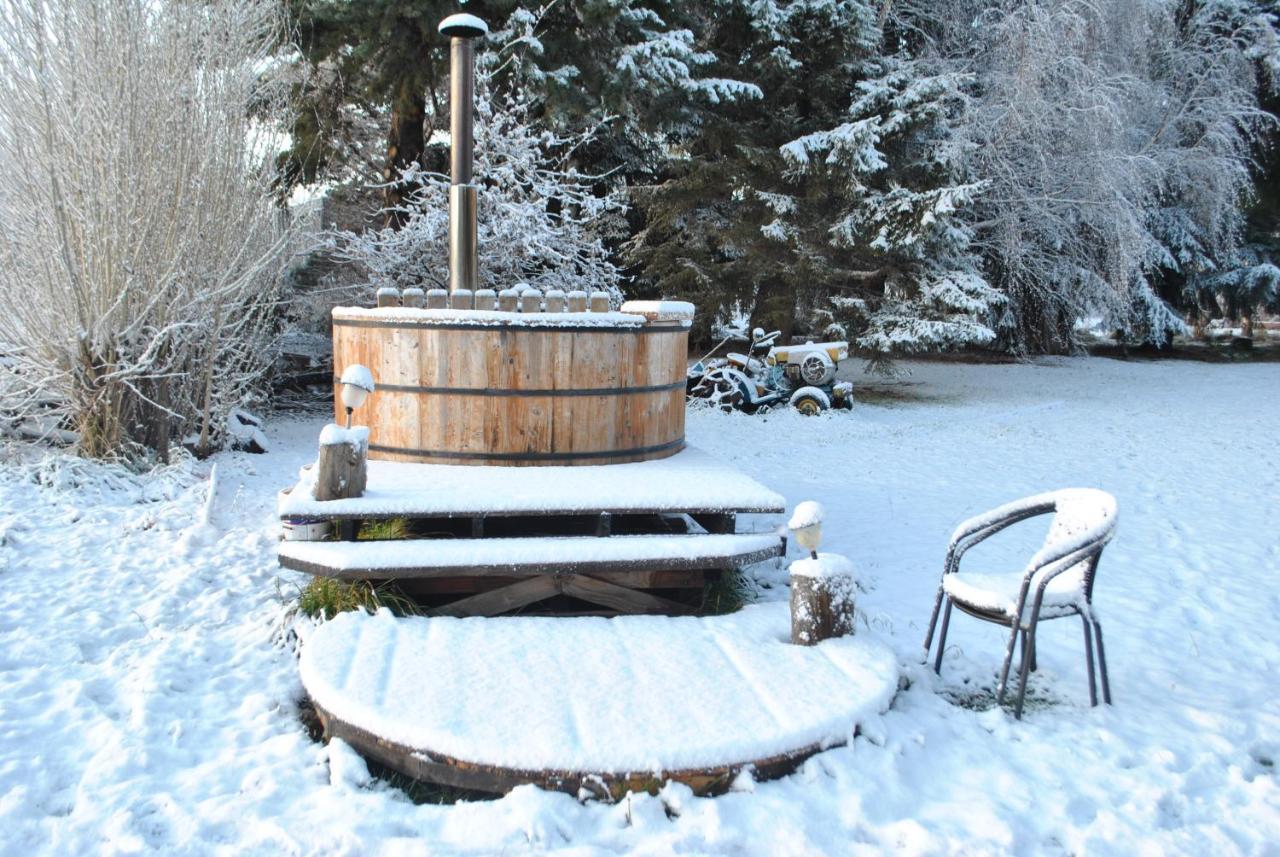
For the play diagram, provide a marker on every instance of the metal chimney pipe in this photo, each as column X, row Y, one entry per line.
column 461, row 30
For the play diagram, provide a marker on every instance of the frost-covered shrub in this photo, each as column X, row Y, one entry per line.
column 141, row 250
column 540, row 221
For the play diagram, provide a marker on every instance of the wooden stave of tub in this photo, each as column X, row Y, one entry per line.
column 515, row 393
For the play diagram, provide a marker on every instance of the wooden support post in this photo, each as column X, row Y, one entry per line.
column 531, row 301
column 599, row 301
column 387, row 296
column 342, row 466
column 576, row 301
column 477, row 527
column 412, row 298
column 486, row 300
column 508, row 300
column 604, row 525
column 555, row 300
column 437, row 299
column 823, row 592
column 347, row 529
column 462, row 299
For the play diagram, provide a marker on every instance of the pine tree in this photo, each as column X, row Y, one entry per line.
column 726, row 224
column 900, row 180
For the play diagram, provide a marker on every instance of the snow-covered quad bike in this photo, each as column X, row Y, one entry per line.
column 801, row 375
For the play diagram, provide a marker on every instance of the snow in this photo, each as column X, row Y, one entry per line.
column 513, row 552
column 464, row 22
column 999, row 592
column 806, row 514
column 644, row 693
column 690, row 480
column 149, row 695
column 333, row 434
column 418, row 315
column 829, row 566
column 661, row 310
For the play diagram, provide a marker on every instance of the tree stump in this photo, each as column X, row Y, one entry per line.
column 823, row 592
column 343, row 464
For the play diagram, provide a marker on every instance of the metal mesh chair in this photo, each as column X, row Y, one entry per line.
column 1057, row 582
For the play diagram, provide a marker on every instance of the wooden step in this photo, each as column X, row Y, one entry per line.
column 526, row 557
column 609, row 706
column 689, row 482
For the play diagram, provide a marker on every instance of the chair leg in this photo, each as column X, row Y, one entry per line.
column 1088, row 657
column 1034, row 665
column 933, row 623
column 1102, row 664
column 1023, row 669
column 942, row 638
column 1008, row 661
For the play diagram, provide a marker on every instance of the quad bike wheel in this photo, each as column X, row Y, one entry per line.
column 810, row 401
column 817, row 367
column 726, row 389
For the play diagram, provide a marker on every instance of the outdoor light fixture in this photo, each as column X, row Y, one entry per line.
column 806, row 523
column 357, row 384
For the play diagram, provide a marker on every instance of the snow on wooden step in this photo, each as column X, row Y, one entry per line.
column 428, row 557
column 607, row 696
column 689, row 481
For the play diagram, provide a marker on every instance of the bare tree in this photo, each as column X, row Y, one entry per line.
column 140, row 259
column 1098, row 126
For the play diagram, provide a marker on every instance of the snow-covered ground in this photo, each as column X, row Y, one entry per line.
column 147, row 705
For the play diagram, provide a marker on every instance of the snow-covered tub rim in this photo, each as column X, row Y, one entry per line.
column 446, row 319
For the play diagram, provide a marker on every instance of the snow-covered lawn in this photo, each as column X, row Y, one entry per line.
column 146, row 703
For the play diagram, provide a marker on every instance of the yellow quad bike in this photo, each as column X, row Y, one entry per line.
column 802, row 375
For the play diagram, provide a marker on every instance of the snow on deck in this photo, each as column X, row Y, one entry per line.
column 590, row 695
column 689, row 481
column 515, row 553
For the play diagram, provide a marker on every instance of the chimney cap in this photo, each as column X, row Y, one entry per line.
column 463, row 26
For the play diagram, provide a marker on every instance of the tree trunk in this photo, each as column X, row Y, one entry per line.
column 775, row 308
column 341, row 470
column 821, row 607
column 406, row 142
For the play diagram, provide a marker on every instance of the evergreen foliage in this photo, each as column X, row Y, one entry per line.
column 912, row 174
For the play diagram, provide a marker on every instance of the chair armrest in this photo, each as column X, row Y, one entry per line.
column 981, row 527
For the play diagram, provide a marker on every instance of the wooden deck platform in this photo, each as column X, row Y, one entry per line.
column 641, row 537
column 591, row 706
column 689, row 482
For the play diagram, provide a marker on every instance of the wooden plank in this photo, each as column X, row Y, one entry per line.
column 620, row 598
column 530, row 568
column 504, row 599
column 427, row 766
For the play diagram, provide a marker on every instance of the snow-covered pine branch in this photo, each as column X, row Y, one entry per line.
column 903, row 194
column 540, row 221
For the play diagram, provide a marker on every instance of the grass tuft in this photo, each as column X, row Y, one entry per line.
column 392, row 528
column 727, row 594
column 326, row 597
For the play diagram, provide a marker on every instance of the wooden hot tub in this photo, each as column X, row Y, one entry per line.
column 519, row 388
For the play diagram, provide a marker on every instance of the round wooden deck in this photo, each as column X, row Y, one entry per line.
column 601, row 705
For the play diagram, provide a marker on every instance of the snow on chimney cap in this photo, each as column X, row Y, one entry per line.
column 463, row 26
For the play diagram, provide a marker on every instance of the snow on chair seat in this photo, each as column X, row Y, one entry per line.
column 608, row 705
column 998, row 593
